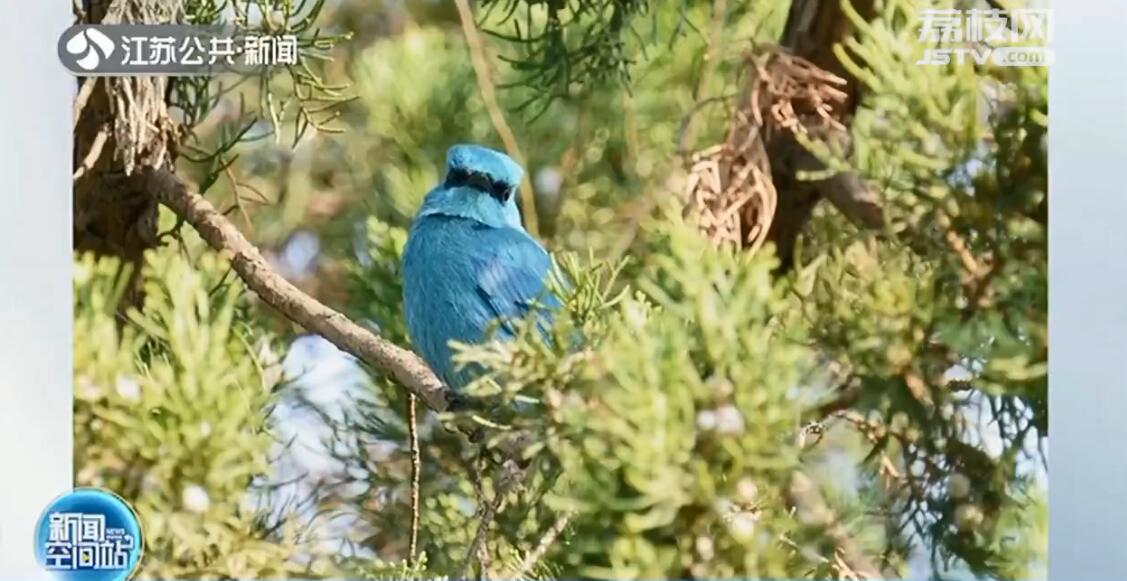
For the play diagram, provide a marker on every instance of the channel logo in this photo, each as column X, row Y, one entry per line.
column 89, row 47
column 89, row 534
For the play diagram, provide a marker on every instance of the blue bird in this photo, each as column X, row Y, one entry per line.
column 469, row 264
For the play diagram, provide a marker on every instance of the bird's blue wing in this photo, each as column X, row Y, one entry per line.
column 511, row 272
column 459, row 277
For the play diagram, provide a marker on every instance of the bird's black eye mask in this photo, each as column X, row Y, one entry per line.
column 464, row 178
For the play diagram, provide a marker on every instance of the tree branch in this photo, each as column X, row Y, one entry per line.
column 416, row 469
column 812, row 510
column 81, row 99
column 686, row 139
column 219, row 233
column 507, row 477
column 480, row 61
column 533, row 557
column 94, row 153
column 813, row 29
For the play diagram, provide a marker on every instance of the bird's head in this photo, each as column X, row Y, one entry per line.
column 480, row 184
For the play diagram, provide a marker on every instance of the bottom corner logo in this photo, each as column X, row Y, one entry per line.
column 89, row 534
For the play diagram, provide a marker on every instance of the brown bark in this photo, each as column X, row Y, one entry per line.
column 813, row 28
column 120, row 123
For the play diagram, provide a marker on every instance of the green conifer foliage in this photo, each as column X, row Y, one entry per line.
column 881, row 406
column 170, row 412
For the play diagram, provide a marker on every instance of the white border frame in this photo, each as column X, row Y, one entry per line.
column 36, row 435
column 1088, row 289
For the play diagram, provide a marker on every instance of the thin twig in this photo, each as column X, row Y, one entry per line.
column 959, row 247
column 82, row 97
column 235, row 186
column 874, row 432
column 416, row 465
column 480, row 61
column 846, row 398
column 542, row 547
column 803, row 494
column 502, row 485
column 94, row 153
column 687, row 136
column 683, row 132
column 219, row 233
column 479, row 537
column 483, row 562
